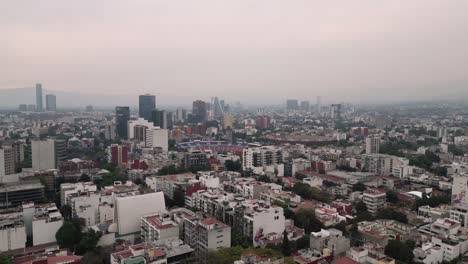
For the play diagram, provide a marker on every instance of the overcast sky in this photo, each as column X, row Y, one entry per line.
column 256, row 50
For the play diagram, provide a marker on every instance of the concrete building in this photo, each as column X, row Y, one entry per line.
column 158, row 226
column 157, row 138
column 263, row 159
column 12, row 232
column 374, row 199
column 128, row 216
column 382, row 164
column 39, row 106
column 459, row 189
column 329, row 242
column 118, row 154
column 7, row 162
column 260, row 221
column 47, row 154
column 51, row 102
column 199, row 112
column 195, row 158
column 15, row 193
column 46, row 222
column 372, row 144
column 459, row 212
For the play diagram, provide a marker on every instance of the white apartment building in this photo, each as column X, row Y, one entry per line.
column 157, row 138
column 12, row 231
column 158, row 226
column 263, row 159
column 70, row 188
column 372, row 144
column 382, row 164
column 261, row 220
column 46, row 222
column 459, row 189
column 209, row 180
column 459, row 213
column 374, row 200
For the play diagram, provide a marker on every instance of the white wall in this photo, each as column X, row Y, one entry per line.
column 43, row 155
column 44, row 232
column 130, row 209
column 16, row 236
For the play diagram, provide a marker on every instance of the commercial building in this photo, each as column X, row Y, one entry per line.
column 195, row 158
column 51, row 102
column 305, row 106
column 199, row 111
column 335, row 111
column 382, row 164
column 159, row 118
column 15, row 193
column 46, row 154
column 7, row 161
column 122, row 116
column 12, row 231
column 292, row 105
column 372, row 144
column 263, row 159
column 39, row 106
column 146, row 103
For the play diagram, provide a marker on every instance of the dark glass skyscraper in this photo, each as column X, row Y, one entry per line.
column 159, row 118
column 51, row 102
column 146, row 103
column 199, row 111
column 122, row 115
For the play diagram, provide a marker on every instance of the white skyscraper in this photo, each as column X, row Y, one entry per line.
column 372, row 144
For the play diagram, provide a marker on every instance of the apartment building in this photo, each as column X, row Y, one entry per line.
column 374, row 199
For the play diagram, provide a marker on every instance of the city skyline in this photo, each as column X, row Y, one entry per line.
column 375, row 52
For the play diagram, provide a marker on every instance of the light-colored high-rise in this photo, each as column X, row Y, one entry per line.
column 39, row 107
column 372, row 144
column 7, row 161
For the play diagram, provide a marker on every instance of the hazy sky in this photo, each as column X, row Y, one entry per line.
column 257, row 50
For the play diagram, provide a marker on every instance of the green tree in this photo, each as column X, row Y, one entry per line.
column 389, row 213
column 88, row 242
column 92, row 257
column 66, row 211
column 359, row 187
column 68, row 235
column 392, row 197
column 285, row 246
column 305, row 218
column 399, row 251
column 360, row 207
column 233, row 165
column 5, row 260
column 178, row 198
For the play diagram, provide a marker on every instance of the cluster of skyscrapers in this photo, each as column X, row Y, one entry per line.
column 50, row 100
